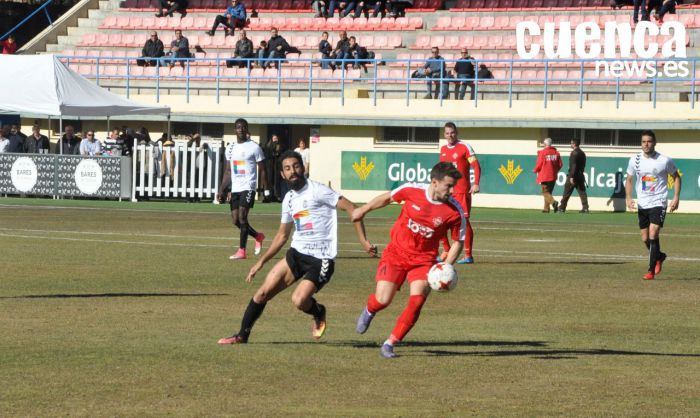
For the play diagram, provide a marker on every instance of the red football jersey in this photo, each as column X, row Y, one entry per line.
column 461, row 155
column 422, row 223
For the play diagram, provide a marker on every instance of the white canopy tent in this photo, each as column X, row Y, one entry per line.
column 41, row 84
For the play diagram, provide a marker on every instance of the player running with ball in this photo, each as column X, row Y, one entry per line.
column 428, row 214
column 310, row 209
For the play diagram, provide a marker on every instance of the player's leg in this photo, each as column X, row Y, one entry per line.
column 469, row 237
column 315, row 273
column 277, row 279
column 419, row 291
column 246, row 203
column 644, row 224
column 389, row 279
column 656, row 257
column 235, row 208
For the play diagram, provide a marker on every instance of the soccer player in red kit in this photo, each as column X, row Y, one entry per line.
column 429, row 213
column 463, row 157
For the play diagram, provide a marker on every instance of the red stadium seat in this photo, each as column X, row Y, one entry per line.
column 486, row 23
column 187, row 23
column 422, row 42
column 373, row 23
column 452, row 42
column 415, row 23
column 437, row 41
column 112, row 39
column 110, row 22
column 148, row 22
column 501, row 23
column 394, row 41
column 89, row 39
column 401, row 23
column 443, row 23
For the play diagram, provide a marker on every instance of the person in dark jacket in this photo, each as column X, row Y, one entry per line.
column 244, row 49
column 277, row 47
column 273, row 149
column 325, row 48
column 433, row 68
column 484, row 73
column 16, row 140
column 36, row 143
column 464, row 73
column 341, row 48
column 234, row 17
column 179, row 48
column 575, row 178
column 172, row 6
column 69, row 144
column 153, row 48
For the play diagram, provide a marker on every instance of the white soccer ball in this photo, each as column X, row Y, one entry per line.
column 442, row 277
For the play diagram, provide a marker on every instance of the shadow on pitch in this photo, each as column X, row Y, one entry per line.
column 112, row 295
column 555, row 354
column 563, row 262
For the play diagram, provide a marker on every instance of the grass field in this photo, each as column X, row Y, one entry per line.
column 111, row 309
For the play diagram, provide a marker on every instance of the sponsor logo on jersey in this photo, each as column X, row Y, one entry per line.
column 417, row 228
column 238, row 166
column 437, row 221
column 416, row 207
column 649, row 183
column 511, row 173
column 300, row 223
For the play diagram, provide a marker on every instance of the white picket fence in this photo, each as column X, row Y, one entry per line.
column 176, row 171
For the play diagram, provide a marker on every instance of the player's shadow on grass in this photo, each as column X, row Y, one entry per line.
column 564, row 262
column 555, row 354
column 470, row 343
column 112, row 295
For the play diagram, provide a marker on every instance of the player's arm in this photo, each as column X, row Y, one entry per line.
column 378, row 202
column 455, row 250
column 474, row 164
column 263, row 178
column 275, row 246
column 628, row 191
column 676, row 191
column 225, row 182
column 349, row 207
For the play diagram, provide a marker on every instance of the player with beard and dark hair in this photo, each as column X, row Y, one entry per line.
column 309, row 209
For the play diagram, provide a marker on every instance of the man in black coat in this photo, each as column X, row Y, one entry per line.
column 464, row 73
column 277, row 47
column 69, row 144
column 153, row 48
column 36, row 143
column 575, row 178
column 16, row 140
column 244, row 49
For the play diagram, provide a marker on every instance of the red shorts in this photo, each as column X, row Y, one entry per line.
column 465, row 200
column 396, row 270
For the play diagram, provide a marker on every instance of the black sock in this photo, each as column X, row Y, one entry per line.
column 252, row 232
column 653, row 253
column 647, row 244
column 244, row 235
column 315, row 309
column 252, row 313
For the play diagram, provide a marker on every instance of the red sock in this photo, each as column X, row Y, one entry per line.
column 408, row 318
column 373, row 305
column 468, row 240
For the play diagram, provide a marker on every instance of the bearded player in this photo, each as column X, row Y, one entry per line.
column 429, row 213
column 462, row 156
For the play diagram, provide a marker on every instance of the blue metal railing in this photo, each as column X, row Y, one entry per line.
column 512, row 77
column 42, row 7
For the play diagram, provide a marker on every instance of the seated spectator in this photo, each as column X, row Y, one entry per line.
column 378, row 7
column 277, row 48
column 484, row 73
column 668, row 6
column 244, row 49
column 4, row 138
column 340, row 5
column 341, row 48
column 305, row 153
column 36, row 143
column 325, row 48
column 172, row 6
column 353, row 53
column 16, row 140
column 261, row 54
column 234, row 17
column 9, row 46
column 398, row 8
column 179, row 49
column 320, row 8
column 69, row 144
column 153, row 48
column 90, row 145
column 435, row 68
column 464, row 73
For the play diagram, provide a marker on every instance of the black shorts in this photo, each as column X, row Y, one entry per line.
column 316, row 270
column 244, row 199
column 654, row 216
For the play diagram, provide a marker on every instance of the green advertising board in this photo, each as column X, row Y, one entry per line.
column 500, row 174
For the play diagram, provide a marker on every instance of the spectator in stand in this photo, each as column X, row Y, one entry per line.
column 36, row 143
column 378, row 7
column 90, row 146
column 244, row 49
column 153, row 48
column 261, row 54
column 234, row 17
column 325, row 48
column 320, row 8
column 464, row 73
column 640, row 4
column 484, row 73
column 398, row 8
column 273, row 149
column 668, row 6
column 435, row 68
column 179, row 49
column 305, row 153
column 341, row 48
column 16, row 140
column 353, row 53
column 340, row 5
column 9, row 46
column 277, row 47
column 4, row 140
column 172, row 6
column 547, row 167
column 69, row 144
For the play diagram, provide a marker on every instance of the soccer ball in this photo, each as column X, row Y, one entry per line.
column 442, row 277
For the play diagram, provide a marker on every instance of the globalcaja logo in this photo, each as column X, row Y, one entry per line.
column 647, row 39
column 363, row 169
column 511, row 173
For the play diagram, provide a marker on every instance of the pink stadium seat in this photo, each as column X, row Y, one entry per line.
column 162, row 24
column 401, row 23
column 535, row 4
column 501, row 23
column 486, row 23
column 129, row 40
column 437, row 41
column 373, row 23
column 368, row 41
column 279, row 22
column 218, row 41
column 505, row 4
column 382, row 42
column 112, row 39
column 422, row 42
column 122, row 22
column 187, row 23
column 358, row 24
column 442, row 23
column 298, row 41
column 89, row 39
column 173, row 22
column 415, row 23
column 451, row 42
column 478, row 4
column 462, row 23
column 312, row 42
column 387, row 23
column 147, row 22
column 110, row 22
column 481, row 42
column 293, row 23
column 395, row 41
column 494, row 42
